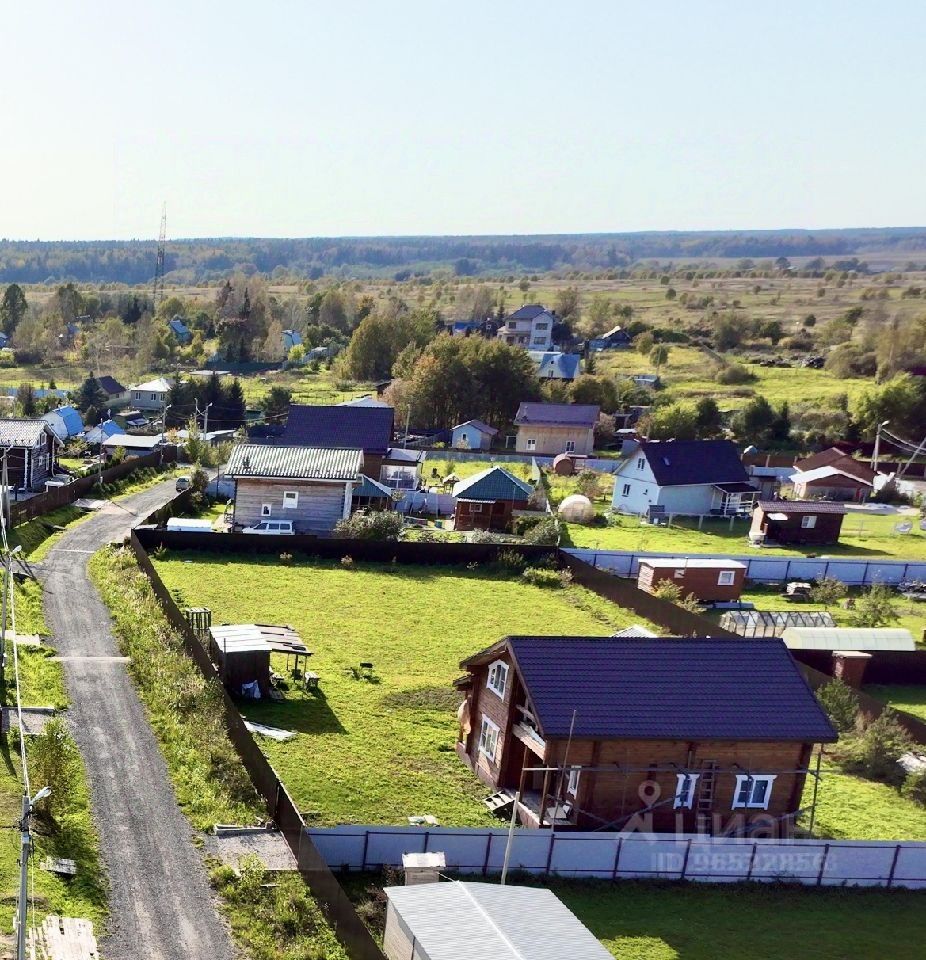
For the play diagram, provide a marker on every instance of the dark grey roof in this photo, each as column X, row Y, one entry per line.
column 800, row 506
column 527, row 312
column 110, row 385
column 668, row 689
column 22, row 432
column 478, row 425
column 557, row 414
column 293, row 463
column 339, row 427
column 687, row 462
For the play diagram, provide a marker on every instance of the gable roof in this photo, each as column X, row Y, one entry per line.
column 22, row 432
column 666, row 688
column 336, row 427
column 555, row 365
column 133, row 441
column 488, row 921
column 478, row 425
column 110, row 385
column 822, row 473
column 293, row 463
column 800, row 506
column 496, row 483
column 692, row 462
column 178, row 327
column 372, row 489
column 528, row 312
column 108, row 428
column 557, row 414
column 70, row 418
column 834, row 457
column 158, row 385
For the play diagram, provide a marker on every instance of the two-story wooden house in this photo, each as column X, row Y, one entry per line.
column 549, row 429
column 638, row 732
column 30, row 447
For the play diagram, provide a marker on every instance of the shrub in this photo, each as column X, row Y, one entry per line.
column 525, row 523
column 588, row 483
column 840, row 702
column 541, row 577
column 671, row 591
column 875, row 753
column 876, row 608
column 734, row 373
column 55, row 762
column 485, row 536
column 546, row 532
column 511, row 560
column 914, row 787
column 367, row 525
column 347, row 562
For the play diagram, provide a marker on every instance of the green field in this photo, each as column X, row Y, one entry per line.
column 468, row 468
column 910, row 699
column 380, row 751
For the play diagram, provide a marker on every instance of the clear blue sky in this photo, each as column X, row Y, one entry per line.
column 307, row 118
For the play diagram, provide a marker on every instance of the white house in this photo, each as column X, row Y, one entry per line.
column 684, row 477
column 151, row 395
column 530, row 327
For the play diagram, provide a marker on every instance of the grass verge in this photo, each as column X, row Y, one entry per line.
column 209, row 779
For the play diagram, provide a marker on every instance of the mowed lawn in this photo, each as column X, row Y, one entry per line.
column 864, row 535
column 703, row 921
column 382, row 750
column 911, row 699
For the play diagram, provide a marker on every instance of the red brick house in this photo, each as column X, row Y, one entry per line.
column 797, row 521
column 652, row 733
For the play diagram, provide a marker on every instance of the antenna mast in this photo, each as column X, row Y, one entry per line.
column 158, row 292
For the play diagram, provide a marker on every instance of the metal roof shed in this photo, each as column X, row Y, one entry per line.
column 484, row 921
column 848, row 638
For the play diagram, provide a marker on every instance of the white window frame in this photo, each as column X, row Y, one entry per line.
column 641, row 462
column 290, row 499
column 266, row 510
column 531, row 443
column 488, row 736
column 808, row 521
column 475, row 508
column 726, row 578
column 748, row 782
column 572, row 780
column 685, row 784
column 626, row 490
column 498, row 669
column 570, row 446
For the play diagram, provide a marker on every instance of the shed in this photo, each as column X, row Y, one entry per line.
column 242, row 652
column 487, row 500
column 797, row 521
column 848, row 638
column 484, row 921
column 709, row 579
column 473, row 435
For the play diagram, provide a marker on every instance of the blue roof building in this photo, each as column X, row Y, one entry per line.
column 180, row 330
column 496, row 483
column 291, row 338
column 65, row 422
column 553, row 365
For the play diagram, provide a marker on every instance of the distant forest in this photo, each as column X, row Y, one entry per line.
column 196, row 261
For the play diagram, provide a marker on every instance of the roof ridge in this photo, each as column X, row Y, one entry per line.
column 514, row 950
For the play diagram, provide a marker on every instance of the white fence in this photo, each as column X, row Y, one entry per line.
column 634, row 855
column 775, row 569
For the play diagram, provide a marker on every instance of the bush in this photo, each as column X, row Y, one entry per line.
column 525, row 523
column 671, row 591
column 546, row 532
column 734, row 373
column 485, row 536
column 367, row 525
column 875, row 753
column 511, row 560
column 543, row 577
column 55, row 762
column 840, row 702
column 914, row 787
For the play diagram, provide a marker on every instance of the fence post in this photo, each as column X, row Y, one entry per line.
column 894, row 859
column 485, row 862
column 617, row 857
column 366, row 842
column 427, row 837
column 685, row 861
column 752, row 860
column 826, row 851
column 550, row 852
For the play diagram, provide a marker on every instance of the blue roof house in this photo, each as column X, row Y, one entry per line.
column 65, row 422
column 291, row 338
column 553, row 365
column 180, row 330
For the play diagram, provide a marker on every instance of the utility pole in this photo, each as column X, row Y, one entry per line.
column 874, row 456
column 206, row 423
column 25, row 850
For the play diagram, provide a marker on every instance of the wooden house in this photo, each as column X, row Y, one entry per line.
column 552, row 428
column 709, row 579
column 636, row 732
column 487, row 500
column 30, row 447
column 472, row 435
column 833, row 475
column 797, row 521
column 310, row 487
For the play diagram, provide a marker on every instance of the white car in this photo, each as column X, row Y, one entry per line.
column 271, row 527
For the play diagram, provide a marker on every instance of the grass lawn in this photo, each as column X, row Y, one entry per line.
column 307, row 387
column 377, row 752
column 867, row 536
column 911, row 699
column 468, row 468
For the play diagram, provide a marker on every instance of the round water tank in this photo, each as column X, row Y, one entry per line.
column 576, row 509
column 564, row 465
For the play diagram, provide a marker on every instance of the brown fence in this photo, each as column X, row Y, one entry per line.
column 61, row 496
column 338, row 908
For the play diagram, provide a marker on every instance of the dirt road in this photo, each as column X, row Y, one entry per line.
column 162, row 907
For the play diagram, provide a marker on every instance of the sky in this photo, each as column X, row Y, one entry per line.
column 307, row 118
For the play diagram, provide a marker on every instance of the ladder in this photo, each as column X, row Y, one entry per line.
column 705, row 805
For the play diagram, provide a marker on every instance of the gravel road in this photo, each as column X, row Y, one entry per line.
column 161, row 905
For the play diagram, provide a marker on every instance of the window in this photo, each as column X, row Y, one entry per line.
column 265, row 510
column 641, row 461
column 498, row 678
column 685, row 784
column 541, row 326
column 626, row 491
column 808, row 522
column 488, row 739
column 475, row 508
column 572, row 780
column 570, row 446
column 539, row 341
column 726, row 578
column 137, row 395
column 154, row 396
column 531, row 444
column 290, row 499
column 753, row 791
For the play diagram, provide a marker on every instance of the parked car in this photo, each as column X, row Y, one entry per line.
column 271, row 527
column 183, row 483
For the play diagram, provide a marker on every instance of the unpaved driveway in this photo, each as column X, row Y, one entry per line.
column 162, row 907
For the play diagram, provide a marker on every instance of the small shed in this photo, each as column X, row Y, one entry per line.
column 487, row 500
column 484, row 921
column 868, row 639
column 797, row 521
column 242, row 654
column 472, row 435
column 709, row 579
column 371, row 495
